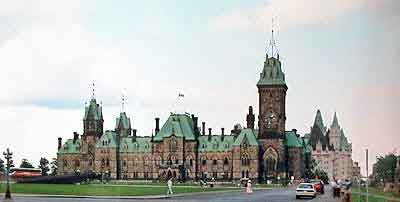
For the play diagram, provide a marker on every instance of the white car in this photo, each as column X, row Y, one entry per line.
column 306, row 189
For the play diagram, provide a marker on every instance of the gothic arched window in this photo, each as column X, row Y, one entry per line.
column 172, row 146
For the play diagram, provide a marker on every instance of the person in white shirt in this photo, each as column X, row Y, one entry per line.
column 169, row 183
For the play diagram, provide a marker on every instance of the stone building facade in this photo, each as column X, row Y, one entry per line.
column 330, row 148
column 182, row 149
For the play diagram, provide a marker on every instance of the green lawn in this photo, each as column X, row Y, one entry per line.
column 375, row 195
column 102, row 190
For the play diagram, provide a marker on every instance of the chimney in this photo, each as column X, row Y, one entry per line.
column 209, row 134
column 222, row 134
column 295, row 132
column 203, row 128
column 76, row 137
column 195, row 123
column 157, row 125
column 134, row 135
column 59, row 143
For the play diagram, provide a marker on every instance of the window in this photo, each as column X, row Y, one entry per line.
column 103, row 162
column 172, row 146
column 65, row 163
column 215, row 175
column 204, row 162
column 191, row 162
column 108, row 162
column 124, row 163
column 215, row 162
column 77, row 163
column 203, row 146
column 226, row 161
column 176, row 161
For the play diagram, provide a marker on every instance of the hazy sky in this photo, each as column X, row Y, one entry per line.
column 337, row 55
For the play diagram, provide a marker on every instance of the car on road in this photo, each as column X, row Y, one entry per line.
column 319, row 185
column 306, row 190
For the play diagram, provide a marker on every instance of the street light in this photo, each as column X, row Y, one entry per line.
column 8, row 155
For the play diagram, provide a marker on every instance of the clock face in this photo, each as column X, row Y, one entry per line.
column 270, row 119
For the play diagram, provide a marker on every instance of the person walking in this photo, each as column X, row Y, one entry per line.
column 169, row 183
column 249, row 190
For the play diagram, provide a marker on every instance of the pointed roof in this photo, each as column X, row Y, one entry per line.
column 272, row 73
column 93, row 111
column 248, row 135
column 181, row 125
column 123, row 121
column 292, row 140
column 107, row 140
column 319, row 122
column 335, row 122
column 216, row 144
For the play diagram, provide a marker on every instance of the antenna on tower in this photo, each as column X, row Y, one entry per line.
column 272, row 42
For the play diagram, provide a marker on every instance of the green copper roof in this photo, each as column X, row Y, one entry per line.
column 335, row 123
column 319, row 122
column 123, row 121
column 179, row 124
column 248, row 135
column 107, row 140
column 93, row 111
column 70, row 147
column 139, row 145
column 292, row 140
column 344, row 143
column 215, row 144
column 272, row 73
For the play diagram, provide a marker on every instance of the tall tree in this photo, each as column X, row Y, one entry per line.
column 25, row 164
column 53, row 167
column 44, row 166
column 386, row 167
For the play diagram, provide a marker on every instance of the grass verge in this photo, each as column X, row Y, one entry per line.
column 102, row 190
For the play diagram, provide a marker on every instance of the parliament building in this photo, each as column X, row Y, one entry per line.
column 183, row 148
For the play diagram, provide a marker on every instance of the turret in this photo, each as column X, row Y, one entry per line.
column 250, row 118
column 59, row 143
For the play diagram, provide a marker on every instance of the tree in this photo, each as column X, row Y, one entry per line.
column 25, row 164
column 44, row 166
column 314, row 172
column 386, row 167
column 53, row 167
column 1, row 165
column 322, row 175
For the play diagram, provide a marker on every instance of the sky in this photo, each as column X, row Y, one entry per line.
column 337, row 55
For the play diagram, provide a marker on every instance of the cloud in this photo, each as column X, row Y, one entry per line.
column 303, row 12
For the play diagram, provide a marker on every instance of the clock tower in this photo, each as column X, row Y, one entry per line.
column 272, row 96
column 272, row 117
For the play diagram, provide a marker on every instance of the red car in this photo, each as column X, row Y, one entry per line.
column 319, row 185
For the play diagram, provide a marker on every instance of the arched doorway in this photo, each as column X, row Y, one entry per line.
column 270, row 161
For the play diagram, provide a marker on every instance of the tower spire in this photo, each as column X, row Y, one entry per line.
column 123, row 103
column 93, row 90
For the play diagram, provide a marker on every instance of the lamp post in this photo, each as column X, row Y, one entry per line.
column 8, row 155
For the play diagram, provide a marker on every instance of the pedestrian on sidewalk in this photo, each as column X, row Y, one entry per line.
column 249, row 190
column 169, row 183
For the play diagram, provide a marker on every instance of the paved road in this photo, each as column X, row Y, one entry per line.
column 275, row 195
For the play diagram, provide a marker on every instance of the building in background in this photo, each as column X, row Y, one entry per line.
column 330, row 148
column 182, row 150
